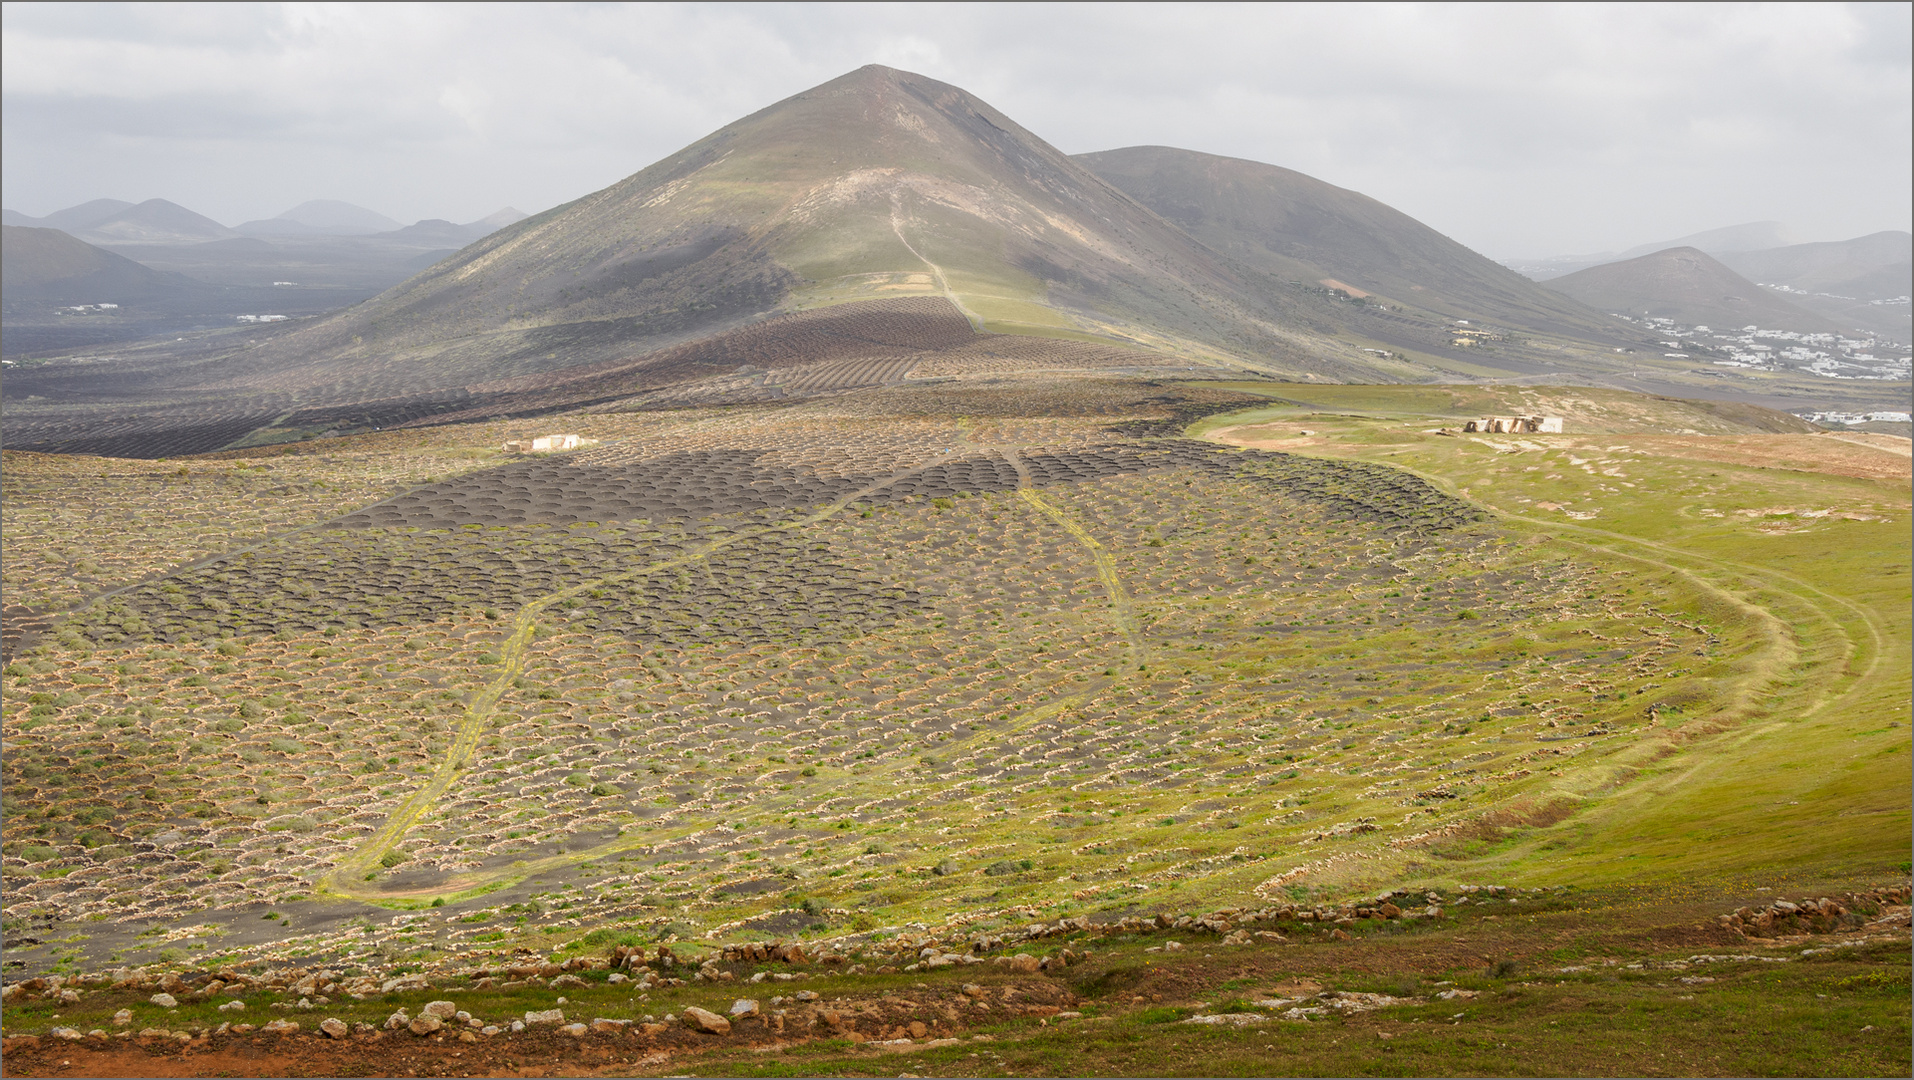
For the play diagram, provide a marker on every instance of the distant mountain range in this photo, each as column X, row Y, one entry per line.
column 157, row 221
column 877, row 186
column 1877, row 266
column 883, row 183
column 1752, row 236
column 1847, row 283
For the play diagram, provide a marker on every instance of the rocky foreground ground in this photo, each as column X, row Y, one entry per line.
column 1263, row 977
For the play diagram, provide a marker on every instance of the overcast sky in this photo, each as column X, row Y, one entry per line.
column 1520, row 130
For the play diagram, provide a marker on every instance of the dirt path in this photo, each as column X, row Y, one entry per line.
column 897, row 226
column 1892, row 444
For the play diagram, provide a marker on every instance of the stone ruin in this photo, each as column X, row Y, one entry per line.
column 1509, row 425
column 542, row 444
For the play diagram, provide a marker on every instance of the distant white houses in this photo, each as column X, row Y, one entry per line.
column 262, row 318
column 1857, row 418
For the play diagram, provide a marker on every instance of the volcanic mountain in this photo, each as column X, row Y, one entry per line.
column 1298, row 228
column 878, row 184
column 155, row 221
column 1688, row 286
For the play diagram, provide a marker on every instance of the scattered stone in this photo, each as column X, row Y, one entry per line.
column 280, row 1027
column 334, row 1027
column 425, row 1025
column 576, row 1031
column 444, row 1010
column 568, row 982
column 709, row 1023
column 744, row 1008
column 609, row 1027
column 545, row 1016
column 235, row 1005
column 164, row 1001
column 123, row 1017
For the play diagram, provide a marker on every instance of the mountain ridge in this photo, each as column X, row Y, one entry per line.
column 1288, row 223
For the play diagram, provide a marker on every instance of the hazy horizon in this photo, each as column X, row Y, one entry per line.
column 1523, row 132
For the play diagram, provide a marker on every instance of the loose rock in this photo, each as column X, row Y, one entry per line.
column 707, row 1022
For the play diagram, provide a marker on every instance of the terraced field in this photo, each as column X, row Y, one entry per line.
column 942, row 652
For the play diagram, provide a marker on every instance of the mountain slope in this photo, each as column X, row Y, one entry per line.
column 50, row 265
column 1688, row 286
column 1295, row 226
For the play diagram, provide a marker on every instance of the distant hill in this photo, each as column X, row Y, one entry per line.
column 49, row 265
column 1753, row 236
column 500, row 218
column 1688, row 286
column 1297, row 227
column 73, row 218
column 322, row 217
column 1872, row 267
column 439, row 233
column 436, row 232
column 154, row 221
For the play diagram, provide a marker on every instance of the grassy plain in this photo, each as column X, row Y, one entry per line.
column 1807, row 775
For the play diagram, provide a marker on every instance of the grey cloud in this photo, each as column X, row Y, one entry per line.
column 1518, row 129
